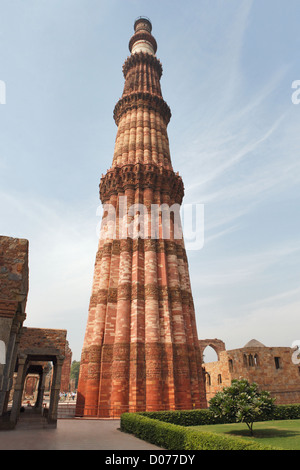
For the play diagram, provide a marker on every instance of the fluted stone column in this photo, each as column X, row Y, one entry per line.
column 140, row 348
column 41, row 388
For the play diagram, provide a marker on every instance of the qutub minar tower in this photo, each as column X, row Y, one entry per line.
column 140, row 349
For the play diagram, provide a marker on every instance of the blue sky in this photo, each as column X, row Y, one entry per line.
column 228, row 68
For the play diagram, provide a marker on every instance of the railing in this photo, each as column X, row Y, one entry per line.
column 143, row 18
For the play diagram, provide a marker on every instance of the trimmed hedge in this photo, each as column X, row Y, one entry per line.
column 205, row 416
column 168, row 429
column 186, row 418
column 175, row 437
column 286, row 412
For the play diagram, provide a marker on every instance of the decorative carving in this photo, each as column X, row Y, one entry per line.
column 99, row 255
column 151, row 291
column 163, row 293
column 160, row 247
column 150, row 245
column 141, row 176
column 138, row 245
column 170, row 247
column 93, row 372
column 153, row 351
column 142, row 57
column 175, row 294
column 142, row 100
column 185, row 297
column 126, row 245
column 121, row 352
column 137, row 291
column 180, row 251
column 106, row 250
column 107, row 353
column 93, row 300
column 124, row 291
column 112, row 295
column 116, row 247
column 102, row 296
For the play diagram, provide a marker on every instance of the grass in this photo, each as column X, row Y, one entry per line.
column 283, row 434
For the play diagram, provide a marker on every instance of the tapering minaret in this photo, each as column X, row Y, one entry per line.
column 140, row 349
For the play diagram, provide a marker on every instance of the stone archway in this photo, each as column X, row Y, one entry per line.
column 216, row 344
column 37, row 348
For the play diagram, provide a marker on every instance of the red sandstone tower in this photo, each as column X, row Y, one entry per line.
column 140, row 348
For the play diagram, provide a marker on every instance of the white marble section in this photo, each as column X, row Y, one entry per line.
column 142, row 46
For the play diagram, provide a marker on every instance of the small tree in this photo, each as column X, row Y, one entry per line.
column 242, row 402
column 75, row 366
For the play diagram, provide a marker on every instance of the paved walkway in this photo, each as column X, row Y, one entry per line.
column 73, row 434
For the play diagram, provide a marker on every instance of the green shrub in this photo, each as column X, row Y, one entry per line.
column 169, row 429
column 174, row 437
column 206, row 416
column 286, row 412
column 186, row 418
column 244, row 402
column 200, row 440
column 156, row 432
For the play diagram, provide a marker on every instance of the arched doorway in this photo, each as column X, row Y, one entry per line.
column 216, row 345
column 209, row 355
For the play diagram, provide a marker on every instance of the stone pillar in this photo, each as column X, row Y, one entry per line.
column 11, row 356
column 41, row 388
column 18, row 389
column 55, row 389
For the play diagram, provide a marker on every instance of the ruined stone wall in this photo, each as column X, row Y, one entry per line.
column 13, row 283
column 271, row 368
column 43, row 340
column 13, row 298
column 66, row 370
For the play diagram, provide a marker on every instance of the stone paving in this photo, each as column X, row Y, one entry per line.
column 72, row 434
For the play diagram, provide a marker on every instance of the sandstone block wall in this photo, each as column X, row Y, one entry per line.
column 271, row 368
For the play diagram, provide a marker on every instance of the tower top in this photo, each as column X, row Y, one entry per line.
column 142, row 40
column 142, row 22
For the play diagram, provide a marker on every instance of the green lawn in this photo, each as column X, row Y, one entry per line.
column 284, row 434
